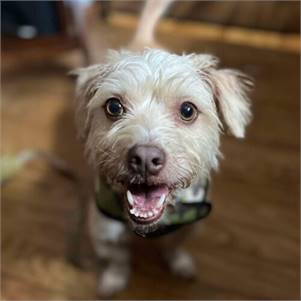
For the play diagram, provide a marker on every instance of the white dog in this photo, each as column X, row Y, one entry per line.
column 151, row 123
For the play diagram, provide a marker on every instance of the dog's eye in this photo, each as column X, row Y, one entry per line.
column 188, row 111
column 113, row 107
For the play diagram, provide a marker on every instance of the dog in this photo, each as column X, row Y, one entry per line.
column 151, row 123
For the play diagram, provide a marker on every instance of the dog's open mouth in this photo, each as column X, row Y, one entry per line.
column 146, row 203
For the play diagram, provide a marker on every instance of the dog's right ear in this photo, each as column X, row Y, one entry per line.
column 88, row 81
column 84, row 75
column 74, row 73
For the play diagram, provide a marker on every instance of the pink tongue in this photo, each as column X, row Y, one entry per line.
column 147, row 199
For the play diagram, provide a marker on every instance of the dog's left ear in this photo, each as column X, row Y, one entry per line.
column 230, row 89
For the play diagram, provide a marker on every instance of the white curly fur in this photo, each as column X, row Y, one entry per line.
column 152, row 84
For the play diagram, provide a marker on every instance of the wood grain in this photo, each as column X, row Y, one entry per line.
column 280, row 16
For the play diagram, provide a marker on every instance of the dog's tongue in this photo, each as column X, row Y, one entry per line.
column 148, row 197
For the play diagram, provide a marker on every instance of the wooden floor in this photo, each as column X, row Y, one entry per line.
column 247, row 249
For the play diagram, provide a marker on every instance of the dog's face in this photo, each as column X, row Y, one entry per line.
column 151, row 124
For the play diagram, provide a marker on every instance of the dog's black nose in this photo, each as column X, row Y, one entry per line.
column 146, row 159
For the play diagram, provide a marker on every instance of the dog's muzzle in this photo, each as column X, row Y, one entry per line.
column 146, row 160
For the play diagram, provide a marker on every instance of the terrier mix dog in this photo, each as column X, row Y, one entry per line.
column 151, row 123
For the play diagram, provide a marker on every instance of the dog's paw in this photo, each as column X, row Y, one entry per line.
column 113, row 280
column 182, row 264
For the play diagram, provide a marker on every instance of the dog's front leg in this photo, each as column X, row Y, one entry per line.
column 179, row 260
column 111, row 243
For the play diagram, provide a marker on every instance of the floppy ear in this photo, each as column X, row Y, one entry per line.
column 84, row 75
column 230, row 88
column 87, row 81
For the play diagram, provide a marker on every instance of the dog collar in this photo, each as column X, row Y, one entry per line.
column 186, row 210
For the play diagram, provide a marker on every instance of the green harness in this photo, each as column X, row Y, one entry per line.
column 184, row 211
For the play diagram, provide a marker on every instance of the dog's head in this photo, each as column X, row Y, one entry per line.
column 151, row 123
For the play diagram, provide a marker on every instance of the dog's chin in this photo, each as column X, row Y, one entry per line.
column 145, row 205
column 143, row 229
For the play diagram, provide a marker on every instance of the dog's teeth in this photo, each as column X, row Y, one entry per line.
column 161, row 201
column 147, row 214
column 130, row 197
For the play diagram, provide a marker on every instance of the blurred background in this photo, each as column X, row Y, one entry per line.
column 247, row 249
